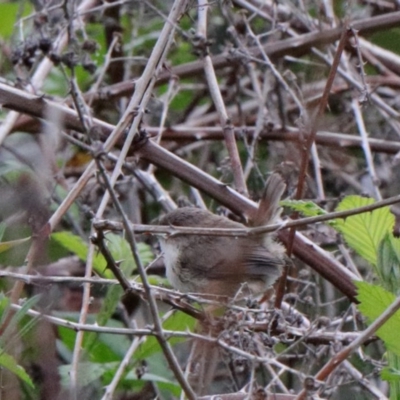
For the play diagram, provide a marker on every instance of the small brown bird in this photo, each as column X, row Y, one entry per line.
column 223, row 265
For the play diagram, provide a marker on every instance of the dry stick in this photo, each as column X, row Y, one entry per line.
column 276, row 380
column 260, row 95
column 380, row 68
column 160, row 336
column 366, row 149
column 169, row 96
column 360, row 122
column 335, row 361
column 291, row 134
column 245, row 396
column 76, row 326
column 313, row 148
column 110, row 388
column 296, row 333
column 309, row 140
column 99, row 241
column 384, row 60
column 106, row 63
column 266, row 60
column 360, row 65
column 317, row 172
column 216, row 96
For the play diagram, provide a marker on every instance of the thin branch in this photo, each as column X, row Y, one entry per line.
column 246, row 231
column 216, row 96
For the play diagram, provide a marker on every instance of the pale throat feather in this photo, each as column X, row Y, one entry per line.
column 171, row 259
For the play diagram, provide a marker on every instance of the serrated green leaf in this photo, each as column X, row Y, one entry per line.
column 394, row 365
column 388, row 263
column 364, row 232
column 306, row 208
column 121, row 251
column 374, row 300
column 9, row 362
column 390, row 374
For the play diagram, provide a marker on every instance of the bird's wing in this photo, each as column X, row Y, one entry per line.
column 247, row 262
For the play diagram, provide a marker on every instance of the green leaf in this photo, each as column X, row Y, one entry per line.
column 117, row 348
column 393, row 365
column 390, row 374
column 9, row 362
column 162, row 382
column 177, row 322
column 121, row 252
column 148, row 377
column 106, row 348
column 118, row 246
column 16, row 317
column 2, row 229
column 73, row 211
column 387, row 39
column 87, row 372
column 306, row 208
column 9, row 12
column 388, row 263
column 4, row 307
column 76, row 245
column 374, row 300
column 4, row 246
column 364, row 232
column 163, row 376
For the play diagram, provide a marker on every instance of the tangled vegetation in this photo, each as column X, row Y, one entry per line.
column 114, row 113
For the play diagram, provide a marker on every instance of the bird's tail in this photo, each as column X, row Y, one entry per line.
column 268, row 208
